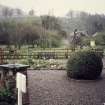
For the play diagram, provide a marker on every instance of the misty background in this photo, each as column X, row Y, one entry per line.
column 21, row 24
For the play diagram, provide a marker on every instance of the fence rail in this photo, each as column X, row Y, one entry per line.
column 34, row 54
column 40, row 55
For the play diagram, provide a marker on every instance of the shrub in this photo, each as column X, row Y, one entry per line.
column 4, row 103
column 7, row 97
column 84, row 65
column 23, row 62
column 30, row 61
column 100, row 52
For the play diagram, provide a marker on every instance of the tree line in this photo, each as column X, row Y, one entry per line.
column 47, row 31
column 44, row 32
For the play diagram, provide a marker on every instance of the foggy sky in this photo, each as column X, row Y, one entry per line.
column 57, row 7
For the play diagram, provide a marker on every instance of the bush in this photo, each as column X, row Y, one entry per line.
column 4, row 103
column 84, row 65
column 100, row 52
column 7, row 97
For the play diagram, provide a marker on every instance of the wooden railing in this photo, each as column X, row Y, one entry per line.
column 35, row 54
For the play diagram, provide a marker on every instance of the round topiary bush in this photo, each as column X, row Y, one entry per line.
column 84, row 65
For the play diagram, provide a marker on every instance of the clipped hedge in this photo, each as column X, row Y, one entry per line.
column 84, row 65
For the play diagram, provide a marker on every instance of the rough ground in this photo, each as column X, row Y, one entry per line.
column 54, row 88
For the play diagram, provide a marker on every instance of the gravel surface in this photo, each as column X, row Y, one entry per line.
column 48, row 87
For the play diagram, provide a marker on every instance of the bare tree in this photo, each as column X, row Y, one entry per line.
column 19, row 12
column 70, row 14
column 6, row 11
column 31, row 12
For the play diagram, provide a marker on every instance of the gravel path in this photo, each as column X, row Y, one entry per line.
column 54, row 88
column 48, row 87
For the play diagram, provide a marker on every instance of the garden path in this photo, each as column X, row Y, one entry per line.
column 48, row 87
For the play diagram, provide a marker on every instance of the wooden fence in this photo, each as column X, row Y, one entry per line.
column 7, row 55
column 34, row 54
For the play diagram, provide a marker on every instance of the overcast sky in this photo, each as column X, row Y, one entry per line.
column 58, row 7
